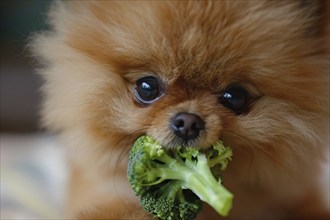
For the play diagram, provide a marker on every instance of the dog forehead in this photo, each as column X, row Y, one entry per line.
column 203, row 42
column 194, row 81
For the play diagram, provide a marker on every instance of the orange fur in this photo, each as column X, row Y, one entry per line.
column 278, row 50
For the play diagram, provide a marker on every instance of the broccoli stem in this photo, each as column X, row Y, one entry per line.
column 214, row 194
column 198, row 179
column 208, row 189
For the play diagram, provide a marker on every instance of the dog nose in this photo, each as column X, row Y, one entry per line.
column 187, row 125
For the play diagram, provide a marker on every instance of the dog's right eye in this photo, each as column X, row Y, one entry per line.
column 148, row 89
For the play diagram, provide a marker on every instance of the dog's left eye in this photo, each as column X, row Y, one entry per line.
column 148, row 89
column 235, row 98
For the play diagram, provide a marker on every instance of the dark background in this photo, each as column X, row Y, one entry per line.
column 20, row 85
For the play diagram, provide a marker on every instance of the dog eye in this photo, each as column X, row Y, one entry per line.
column 235, row 98
column 148, row 89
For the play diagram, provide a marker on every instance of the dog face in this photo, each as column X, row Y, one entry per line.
column 252, row 73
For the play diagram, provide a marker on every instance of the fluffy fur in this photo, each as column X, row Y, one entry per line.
column 277, row 50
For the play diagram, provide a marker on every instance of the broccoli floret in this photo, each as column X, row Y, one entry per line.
column 172, row 183
column 172, row 201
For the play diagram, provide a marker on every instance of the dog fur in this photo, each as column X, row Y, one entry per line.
column 277, row 50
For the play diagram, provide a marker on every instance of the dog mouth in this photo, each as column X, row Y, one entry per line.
column 179, row 142
column 172, row 141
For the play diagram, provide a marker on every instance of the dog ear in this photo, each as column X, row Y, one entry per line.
column 325, row 22
column 314, row 15
column 317, row 14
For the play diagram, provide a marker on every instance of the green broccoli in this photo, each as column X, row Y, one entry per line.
column 172, row 183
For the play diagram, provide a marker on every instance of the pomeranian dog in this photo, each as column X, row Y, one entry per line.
column 254, row 74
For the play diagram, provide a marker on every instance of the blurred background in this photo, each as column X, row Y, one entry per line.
column 20, row 97
column 33, row 171
column 32, row 166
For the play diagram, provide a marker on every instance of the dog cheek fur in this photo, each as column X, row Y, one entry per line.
column 81, row 99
